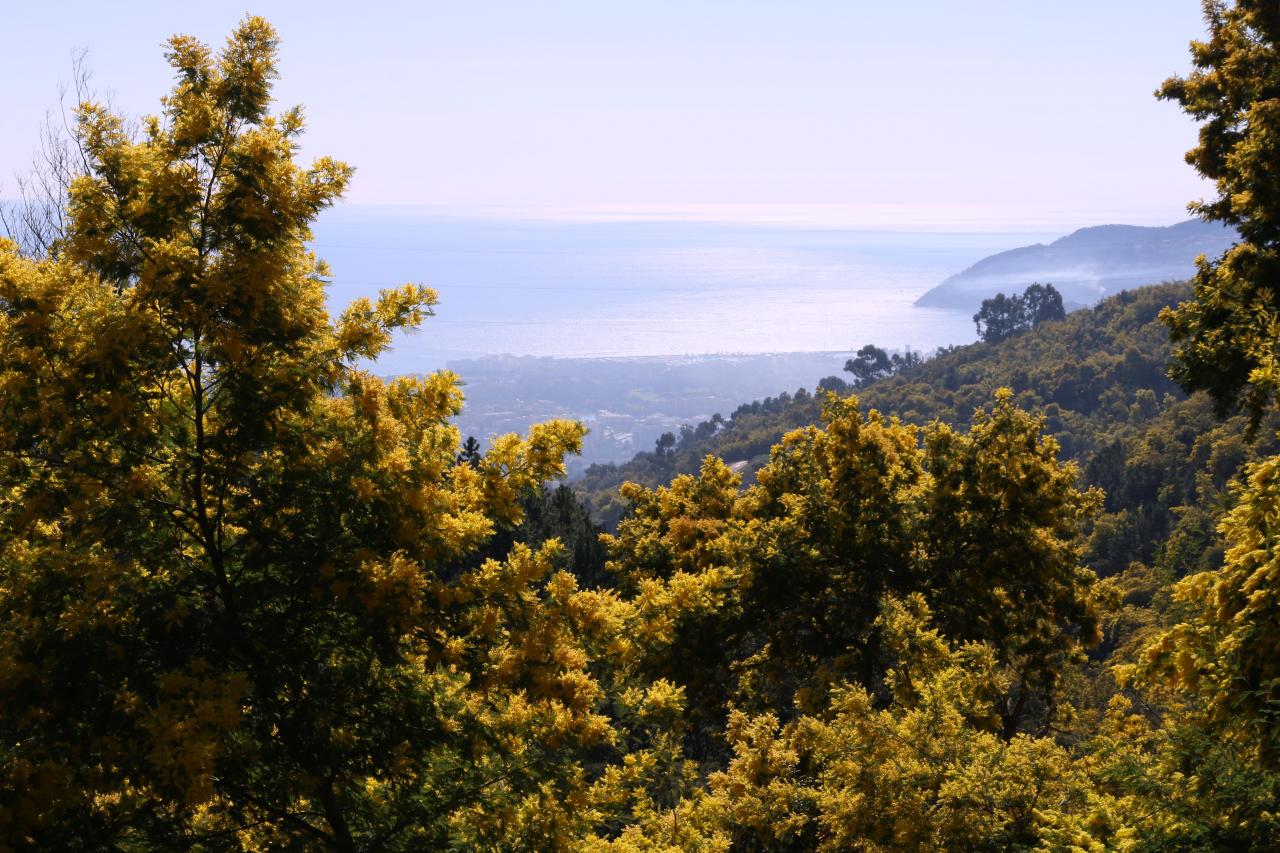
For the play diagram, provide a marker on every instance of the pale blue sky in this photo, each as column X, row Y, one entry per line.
column 1040, row 110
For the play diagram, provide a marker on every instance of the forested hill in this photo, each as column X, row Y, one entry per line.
column 1087, row 264
column 1098, row 378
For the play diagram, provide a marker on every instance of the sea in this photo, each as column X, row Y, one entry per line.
column 651, row 285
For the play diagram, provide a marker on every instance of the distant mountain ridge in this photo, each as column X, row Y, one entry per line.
column 1087, row 265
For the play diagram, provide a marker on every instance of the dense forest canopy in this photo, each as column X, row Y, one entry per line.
column 254, row 597
column 1162, row 458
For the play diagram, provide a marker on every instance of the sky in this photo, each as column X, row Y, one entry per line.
column 999, row 109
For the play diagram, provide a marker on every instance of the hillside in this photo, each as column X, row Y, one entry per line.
column 1088, row 264
column 1098, row 379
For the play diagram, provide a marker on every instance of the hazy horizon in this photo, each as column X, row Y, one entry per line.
column 1006, row 112
column 901, row 218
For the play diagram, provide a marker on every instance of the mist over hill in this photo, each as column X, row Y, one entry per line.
column 1087, row 265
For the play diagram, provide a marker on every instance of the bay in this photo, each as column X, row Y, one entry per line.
column 664, row 287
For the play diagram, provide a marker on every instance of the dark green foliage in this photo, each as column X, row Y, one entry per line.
column 906, row 361
column 470, row 452
column 1002, row 317
column 663, row 446
column 550, row 513
column 871, row 363
column 558, row 513
column 1044, row 303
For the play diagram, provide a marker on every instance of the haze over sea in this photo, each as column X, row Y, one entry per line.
column 644, row 283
